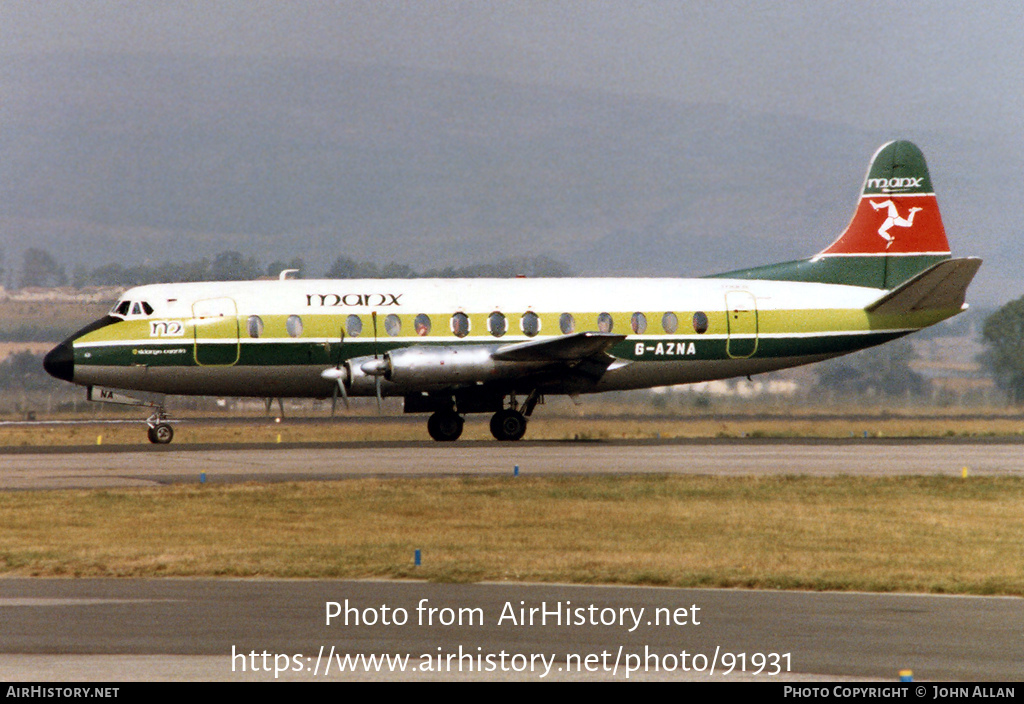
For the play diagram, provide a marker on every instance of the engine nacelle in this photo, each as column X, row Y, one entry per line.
column 425, row 366
column 357, row 380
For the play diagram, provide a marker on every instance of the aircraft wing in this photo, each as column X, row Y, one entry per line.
column 943, row 286
column 567, row 348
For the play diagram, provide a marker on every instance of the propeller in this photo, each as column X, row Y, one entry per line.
column 378, row 370
column 338, row 374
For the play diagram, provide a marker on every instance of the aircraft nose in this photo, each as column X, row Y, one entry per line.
column 60, row 362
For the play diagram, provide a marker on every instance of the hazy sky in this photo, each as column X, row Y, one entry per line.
column 871, row 64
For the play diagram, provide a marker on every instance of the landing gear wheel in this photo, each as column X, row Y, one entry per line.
column 508, row 425
column 161, row 433
column 445, row 426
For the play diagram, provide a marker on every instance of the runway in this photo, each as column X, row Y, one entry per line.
column 176, row 629
column 137, row 465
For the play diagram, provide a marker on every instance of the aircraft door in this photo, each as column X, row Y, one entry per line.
column 215, row 332
column 741, row 310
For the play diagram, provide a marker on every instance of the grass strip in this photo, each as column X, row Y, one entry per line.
column 913, row 534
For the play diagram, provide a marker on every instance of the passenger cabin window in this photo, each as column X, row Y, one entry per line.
column 496, row 324
column 531, row 323
column 605, row 322
column 353, row 325
column 700, row 322
column 294, row 326
column 392, row 325
column 255, row 326
column 422, row 324
column 460, row 324
column 566, row 323
column 639, row 323
column 669, row 323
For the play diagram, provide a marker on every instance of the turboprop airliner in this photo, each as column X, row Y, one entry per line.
column 450, row 347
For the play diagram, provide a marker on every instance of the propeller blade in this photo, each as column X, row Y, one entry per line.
column 373, row 316
column 344, row 392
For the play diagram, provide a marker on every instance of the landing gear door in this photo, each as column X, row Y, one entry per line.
column 215, row 332
column 741, row 309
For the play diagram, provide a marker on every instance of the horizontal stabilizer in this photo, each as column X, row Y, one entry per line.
column 567, row 348
column 941, row 287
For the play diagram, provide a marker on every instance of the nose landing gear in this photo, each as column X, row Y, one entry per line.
column 160, row 431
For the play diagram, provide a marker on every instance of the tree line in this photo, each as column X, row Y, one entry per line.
column 40, row 268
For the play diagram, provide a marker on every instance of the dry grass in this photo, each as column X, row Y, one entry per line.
column 541, row 428
column 908, row 534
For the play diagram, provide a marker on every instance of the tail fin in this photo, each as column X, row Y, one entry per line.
column 898, row 214
column 895, row 234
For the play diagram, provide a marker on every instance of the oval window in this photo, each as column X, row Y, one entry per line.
column 422, row 324
column 605, row 322
column 496, row 324
column 293, row 325
column 392, row 325
column 700, row 322
column 566, row 323
column 531, row 323
column 460, row 324
column 669, row 323
column 353, row 325
column 255, row 326
column 639, row 323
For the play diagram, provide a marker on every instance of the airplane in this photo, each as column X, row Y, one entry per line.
column 451, row 347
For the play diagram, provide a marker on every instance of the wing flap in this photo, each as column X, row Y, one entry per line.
column 941, row 287
column 567, row 348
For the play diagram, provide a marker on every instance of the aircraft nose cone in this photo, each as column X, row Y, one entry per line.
column 60, row 362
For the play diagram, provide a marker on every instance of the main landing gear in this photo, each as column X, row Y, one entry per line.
column 445, row 426
column 160, row 431
column 508, row 424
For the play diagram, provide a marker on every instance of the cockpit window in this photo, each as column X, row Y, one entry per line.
column 132, row 308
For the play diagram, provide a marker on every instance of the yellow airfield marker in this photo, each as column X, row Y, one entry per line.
column 99, row 439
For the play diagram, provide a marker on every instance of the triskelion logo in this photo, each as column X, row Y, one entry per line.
column 893, row 219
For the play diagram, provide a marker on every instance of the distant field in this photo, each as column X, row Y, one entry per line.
column 45, row 321
column 924, row 534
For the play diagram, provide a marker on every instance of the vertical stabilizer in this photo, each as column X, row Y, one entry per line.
column 895, row 234
column 898, row 214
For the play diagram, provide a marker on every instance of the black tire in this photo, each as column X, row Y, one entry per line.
column 445, row 426
column 508, row 425
column 161, row 434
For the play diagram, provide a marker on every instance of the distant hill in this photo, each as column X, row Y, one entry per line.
column 135, row 159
